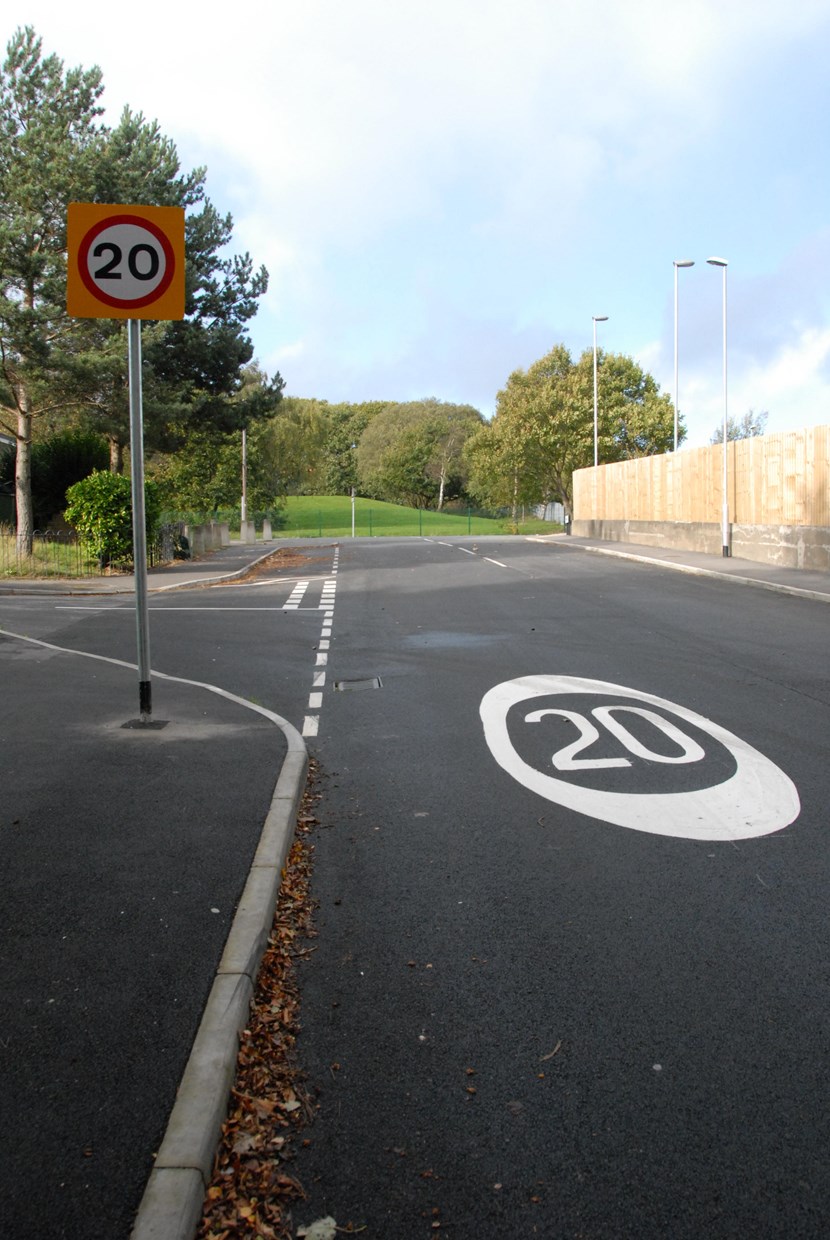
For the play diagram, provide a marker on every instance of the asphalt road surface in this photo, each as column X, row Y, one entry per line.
column 535, row 1009
column 571, row 974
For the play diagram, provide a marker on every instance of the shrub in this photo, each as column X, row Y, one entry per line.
column 100, row 508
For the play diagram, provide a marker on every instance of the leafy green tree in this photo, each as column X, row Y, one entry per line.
column 413, row 452
column 346, row 424
column 749, row 426
column 401, row 473
column 449, row 427
column 543, row 428
column 256, row 397
column 504, row 466
column 294, row 442
column 634, row 417
column 48, row 155
column 208, row 475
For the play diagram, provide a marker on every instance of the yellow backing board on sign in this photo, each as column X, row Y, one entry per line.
column 124, row 261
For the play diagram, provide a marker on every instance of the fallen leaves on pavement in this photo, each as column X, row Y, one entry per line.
column 252, row 1188
column 285, row 557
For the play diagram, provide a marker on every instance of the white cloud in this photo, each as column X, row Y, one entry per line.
column 792, row 385
column 437, row 185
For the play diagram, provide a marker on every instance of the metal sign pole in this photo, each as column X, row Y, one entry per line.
column 139, row 523
column 244, row 513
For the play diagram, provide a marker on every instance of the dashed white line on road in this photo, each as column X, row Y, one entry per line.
column 311, row 723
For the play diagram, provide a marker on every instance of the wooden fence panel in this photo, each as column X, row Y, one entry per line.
column 781, row 479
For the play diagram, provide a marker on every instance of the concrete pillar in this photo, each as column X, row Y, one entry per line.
column 195, row 535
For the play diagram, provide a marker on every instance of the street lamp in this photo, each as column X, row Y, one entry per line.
column 597, row 318
column 352, row 490
column 678, row 262
column 722, row 263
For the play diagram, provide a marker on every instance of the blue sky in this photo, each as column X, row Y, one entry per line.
column 444, row 189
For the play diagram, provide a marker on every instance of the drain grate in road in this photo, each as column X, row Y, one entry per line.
column 369, row 682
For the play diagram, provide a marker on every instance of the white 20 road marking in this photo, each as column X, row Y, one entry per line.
column 756, row 800
column 564, row 760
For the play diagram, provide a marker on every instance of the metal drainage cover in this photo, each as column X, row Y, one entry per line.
column 371, row 682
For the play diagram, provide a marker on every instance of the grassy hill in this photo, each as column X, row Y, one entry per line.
column 330, row 516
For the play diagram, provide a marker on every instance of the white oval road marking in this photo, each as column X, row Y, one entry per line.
column 756, row 800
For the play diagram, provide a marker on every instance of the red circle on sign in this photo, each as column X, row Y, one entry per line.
column 124, row 303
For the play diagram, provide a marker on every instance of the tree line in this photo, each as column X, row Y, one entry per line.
column 427, row 453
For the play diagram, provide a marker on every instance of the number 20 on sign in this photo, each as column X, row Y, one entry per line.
column 125, row 262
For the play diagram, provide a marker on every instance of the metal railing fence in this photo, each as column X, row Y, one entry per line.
column 60, row 553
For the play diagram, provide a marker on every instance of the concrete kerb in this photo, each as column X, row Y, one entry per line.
column 194, row 581
column 172, row 1203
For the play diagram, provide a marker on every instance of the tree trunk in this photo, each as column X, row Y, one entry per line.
column 23, row 476
column 515, row 508
column 116, row 455
column 441, row 488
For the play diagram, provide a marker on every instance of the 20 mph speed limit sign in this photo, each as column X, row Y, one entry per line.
column 125, row 262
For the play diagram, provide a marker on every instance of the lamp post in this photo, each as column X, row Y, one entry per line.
column 722, row 263
column 352, row 490
column 597, row 318
column 678, row 262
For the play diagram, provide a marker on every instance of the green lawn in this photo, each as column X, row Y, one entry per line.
column 330, row 516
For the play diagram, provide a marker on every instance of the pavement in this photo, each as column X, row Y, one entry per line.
column 224, row 565
column 110, row 934
column 798, row 581
column 141, row 871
